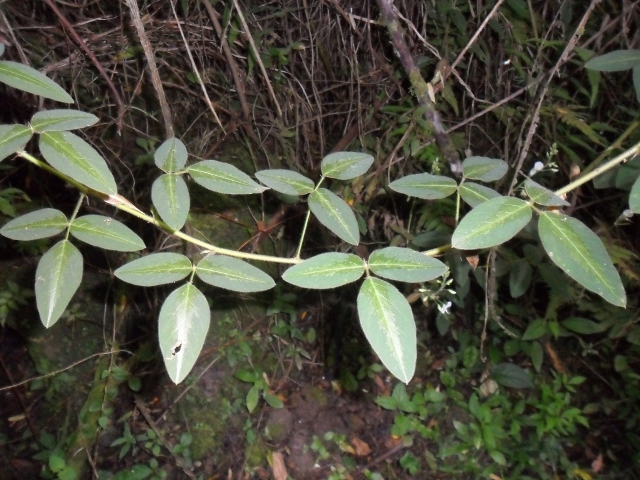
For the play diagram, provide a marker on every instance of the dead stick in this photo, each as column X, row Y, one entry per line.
column 93, row 59
column 420, row 87
column 235, row 72
column 151, row 63
column 195, row 67
column 247, row 34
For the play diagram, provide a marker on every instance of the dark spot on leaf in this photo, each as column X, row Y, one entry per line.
column 176, row 350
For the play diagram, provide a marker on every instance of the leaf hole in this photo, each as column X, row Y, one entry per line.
column 176, row 350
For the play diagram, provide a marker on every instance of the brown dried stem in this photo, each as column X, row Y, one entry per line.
column 420, row 87
column 94, row 60
column 151, row 63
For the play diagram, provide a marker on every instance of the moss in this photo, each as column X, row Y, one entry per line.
column 256, row 454
column 206, row 420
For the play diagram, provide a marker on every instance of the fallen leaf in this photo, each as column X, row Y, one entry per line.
column 473, row 260
column 597, row 464
column 278, row 466
column 362, row 449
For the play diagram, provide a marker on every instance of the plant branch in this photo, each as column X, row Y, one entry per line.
column 536, row 115
column 256, row 54
column 235, row 72
column 420, row 87
column 151, row 63
column 94, row 60
column 623, row 157
column 125, row 205
column 195, row 67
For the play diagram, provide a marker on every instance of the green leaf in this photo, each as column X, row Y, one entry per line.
column 475, row 194
column 388, row 324
column 273, row 400
column 511, row 376
column 170, row 196
column 388, row 403
column 520, row 278
column 634, row 196
column 345, row 165
column 171, row 155
column 405, row 265
column 155, row 269
column 223, row 178
column 56, row 463
column 327, row 270
column 35, row 225
column 182, row 328
column 425, row 186
column 543, row 196
column 580, row 254
column 74, row 157
column 535, row 330
column 107, row 233
column 286, row 181
column 491, row 223
column 536, row 354
column 615, row 61
column 13, row 138
column 58, row 276
column 335, row 214
column 636, row 80
column 583, row 325
column 498, row 457
column 27, row 79
column 253, row 396
column 484, row 169
column 233, row 274
column 248, row 376
column 60, row 120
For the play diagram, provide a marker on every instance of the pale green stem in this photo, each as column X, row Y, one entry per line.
column 623, row 157
column 74, row 215
column 304, row 231
column 158, row 223
column 306, row 221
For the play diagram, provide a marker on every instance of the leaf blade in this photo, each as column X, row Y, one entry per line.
column 43, row 223
column 286, row 181
column 491, row 223
column 233, row 274
column 61, row 120
column 511, row 376
column 58, row 276
column 475, row 194
column 425, row 186
column 388, row 324
column 223, row 178
column 615, row 61
column 484, row 169
column 335, row 214
column 170, row 196
column 171, row 155
column 30, row 80
column 345, row 165
column 155, row 269
column 405, row 265
column 12, row 139
column 542, row 195
column 182, row 328
column 579, row 252
column 327, row 270
column 107, row 233
column 74, row 157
